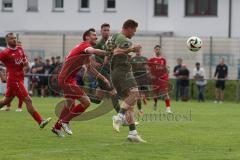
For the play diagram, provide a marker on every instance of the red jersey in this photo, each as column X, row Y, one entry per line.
column 74, row 61
column 158, row 67
column 14, row 60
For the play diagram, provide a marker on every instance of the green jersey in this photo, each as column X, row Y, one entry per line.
column 139, row 64
column 119, row 61
column 100, row 45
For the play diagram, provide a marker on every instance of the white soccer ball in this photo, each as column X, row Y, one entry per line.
column 194, row 43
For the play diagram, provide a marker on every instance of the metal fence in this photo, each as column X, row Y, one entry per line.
column 173, row 47
column 214, row 48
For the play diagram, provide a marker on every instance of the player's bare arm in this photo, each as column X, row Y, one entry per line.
column 91, row 50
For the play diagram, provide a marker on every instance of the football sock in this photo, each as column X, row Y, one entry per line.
column 20, row 102
column 139, row 104
column 132, row 127
column 115, row 103
column 37, row 117
column 75, row 111
column 167, row 102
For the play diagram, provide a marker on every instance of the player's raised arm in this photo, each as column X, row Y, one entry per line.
column 92, row 50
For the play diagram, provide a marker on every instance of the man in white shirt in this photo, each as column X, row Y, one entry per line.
column 200, row 77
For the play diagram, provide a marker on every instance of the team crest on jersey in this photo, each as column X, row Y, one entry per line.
column 19, row 61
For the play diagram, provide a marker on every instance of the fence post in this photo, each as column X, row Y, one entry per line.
column 160, row 40
column 238, row 91
column 211, row 57
column 63, row 45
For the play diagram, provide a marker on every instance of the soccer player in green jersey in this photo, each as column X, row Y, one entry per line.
column 139, row 67
column 122, row 77
column 103, row 66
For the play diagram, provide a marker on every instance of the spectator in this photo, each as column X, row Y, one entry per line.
column 183, row 76
column 47, row 68
column 33, row 79
column 58, row 61
column 200, row 77
column 176, row 74
column 41, row 72
column 220, row 74
column 38, row 81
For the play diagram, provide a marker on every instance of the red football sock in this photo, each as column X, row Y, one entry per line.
column 20, row 102
column 75, row 111
column 167, row 102
column 64, row 112
column 37, row 117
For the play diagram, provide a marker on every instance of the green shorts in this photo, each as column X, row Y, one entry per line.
column 123, row 82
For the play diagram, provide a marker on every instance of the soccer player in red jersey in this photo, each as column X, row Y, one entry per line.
column 159, row 76
column 14, row 58
column 76, row 59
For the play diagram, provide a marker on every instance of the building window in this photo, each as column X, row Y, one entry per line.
column 58, row 5
column 201, row 7
column 110, row 5
column 84, row 6
column 7, row 5
column 32, row 5
column 160, row 7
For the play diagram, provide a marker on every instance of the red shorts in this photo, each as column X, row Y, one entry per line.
column 70, row 89
column 16, row 89
column 160, row 86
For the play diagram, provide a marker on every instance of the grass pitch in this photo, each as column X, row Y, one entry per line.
column 209, row 132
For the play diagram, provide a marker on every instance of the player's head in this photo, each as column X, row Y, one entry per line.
column 221, row 61
column 197, row 65
column 157, row 50
column 105, row 30
column 90, row 36
column 48, row 62
column 11, row 40
column 179, row 61
column 129, row 28
column 139, row 52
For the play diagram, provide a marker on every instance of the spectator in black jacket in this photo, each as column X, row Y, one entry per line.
column 220, row 75
column 176, row 73
column 184, row 82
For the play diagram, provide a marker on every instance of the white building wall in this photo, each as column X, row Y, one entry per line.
column 235, row 18
column 187, row 26
column 140, row 10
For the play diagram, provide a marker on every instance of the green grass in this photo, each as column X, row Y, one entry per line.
column 212, row 134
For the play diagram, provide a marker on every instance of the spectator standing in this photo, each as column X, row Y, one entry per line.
column 200, row 77
column 183, row 76
column 176, row 74
column 220, row 75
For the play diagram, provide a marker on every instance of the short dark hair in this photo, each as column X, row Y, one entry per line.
column 7, row 35
column 198, row 64
column 105, row 25
column 87, row 33
column 130, row 24
column 157, row 46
